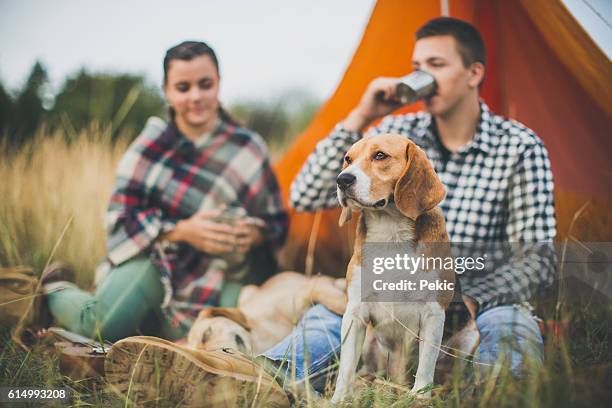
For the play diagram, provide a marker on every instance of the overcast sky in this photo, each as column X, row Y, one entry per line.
column 264, row 46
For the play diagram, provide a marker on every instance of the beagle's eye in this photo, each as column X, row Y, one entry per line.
column 348, row 160
column 380, row 156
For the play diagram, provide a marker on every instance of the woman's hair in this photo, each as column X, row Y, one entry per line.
column 186, row 51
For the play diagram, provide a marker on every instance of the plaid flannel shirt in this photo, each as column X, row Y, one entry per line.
column 164, row 177
column 499, row 189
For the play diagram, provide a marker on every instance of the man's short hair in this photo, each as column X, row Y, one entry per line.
column 469, row 42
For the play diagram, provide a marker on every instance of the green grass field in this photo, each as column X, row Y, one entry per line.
column 52, row 200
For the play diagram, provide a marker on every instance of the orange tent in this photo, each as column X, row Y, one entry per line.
column 543, row 70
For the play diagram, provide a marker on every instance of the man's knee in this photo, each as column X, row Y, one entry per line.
column 321, row 316
column 509, row 333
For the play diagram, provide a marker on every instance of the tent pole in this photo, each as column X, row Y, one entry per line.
column 444, row 8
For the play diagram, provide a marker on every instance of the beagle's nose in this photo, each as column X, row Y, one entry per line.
column 345, row 180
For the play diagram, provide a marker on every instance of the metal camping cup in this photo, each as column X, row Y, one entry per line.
column 230, row 215
column 234, row 264
column 417, row 85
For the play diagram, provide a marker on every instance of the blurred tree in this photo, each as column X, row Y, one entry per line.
column 269, row 119
column 281, row 118
column 27, row 111
column 119, row 104
column 116, row 102
column 6, row 108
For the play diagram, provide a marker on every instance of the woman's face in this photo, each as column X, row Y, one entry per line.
column 192, row 90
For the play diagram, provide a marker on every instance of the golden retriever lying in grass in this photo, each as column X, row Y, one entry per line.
column 265, row 314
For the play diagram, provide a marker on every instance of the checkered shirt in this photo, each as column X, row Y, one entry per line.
column 164, row 177
column 499, row 189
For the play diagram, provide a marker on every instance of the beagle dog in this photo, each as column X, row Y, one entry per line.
column 265, row 314
column 392, row 183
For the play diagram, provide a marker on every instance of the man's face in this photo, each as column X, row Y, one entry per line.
column 439, row 55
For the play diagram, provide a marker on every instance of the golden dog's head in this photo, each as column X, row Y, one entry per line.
column 384, row 169
column 220, row 327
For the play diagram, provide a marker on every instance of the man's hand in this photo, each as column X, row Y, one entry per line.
column 471, row 305
column 378, row 100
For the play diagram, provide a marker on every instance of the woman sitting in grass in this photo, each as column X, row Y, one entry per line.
column 172, row 250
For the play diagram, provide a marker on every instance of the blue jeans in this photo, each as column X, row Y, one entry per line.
column 509, row 331
column 311, row 347
column 509, row 334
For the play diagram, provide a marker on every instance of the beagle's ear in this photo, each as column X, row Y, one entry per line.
column 418, row 189
column 232, row 313
column 345, row 216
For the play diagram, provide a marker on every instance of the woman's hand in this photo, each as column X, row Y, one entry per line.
column 249, row 236
column 201, row 232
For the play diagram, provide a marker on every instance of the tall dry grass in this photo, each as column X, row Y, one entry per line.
column 56, row 181
column 52, row 184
